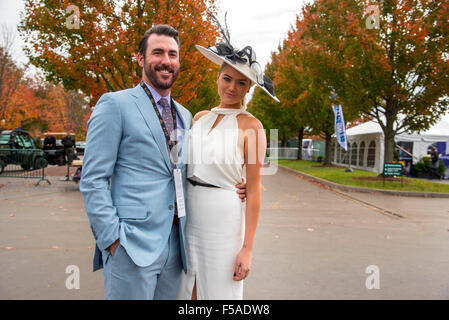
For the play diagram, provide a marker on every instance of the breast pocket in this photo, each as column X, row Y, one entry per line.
column 132, row 212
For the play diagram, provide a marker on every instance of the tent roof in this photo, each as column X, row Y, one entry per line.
column 441, row 128
column 364, row 128
column 439, row 131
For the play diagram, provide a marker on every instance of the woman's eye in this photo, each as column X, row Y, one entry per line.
column 227, row 79
column 242, row 83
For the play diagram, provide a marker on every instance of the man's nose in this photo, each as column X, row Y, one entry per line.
column 165, row 59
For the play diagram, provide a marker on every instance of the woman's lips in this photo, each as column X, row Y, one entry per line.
column 230, row 95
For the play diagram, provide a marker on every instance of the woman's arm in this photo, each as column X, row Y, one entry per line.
column 254, row 151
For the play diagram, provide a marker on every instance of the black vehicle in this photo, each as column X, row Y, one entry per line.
column 17, row 147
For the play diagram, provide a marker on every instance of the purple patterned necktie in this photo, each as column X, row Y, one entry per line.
column 168, row 120
column 166, row 115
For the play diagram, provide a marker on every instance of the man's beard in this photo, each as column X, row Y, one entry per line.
column 150, row 72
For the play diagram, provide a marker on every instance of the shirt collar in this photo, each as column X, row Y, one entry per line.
column 156, row 94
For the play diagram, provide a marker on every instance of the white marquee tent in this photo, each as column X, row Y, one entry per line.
column 366, row 145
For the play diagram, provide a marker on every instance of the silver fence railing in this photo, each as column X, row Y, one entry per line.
column 282, row 153
column 292, row 154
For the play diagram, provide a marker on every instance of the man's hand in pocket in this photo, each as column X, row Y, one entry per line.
column 113, row 246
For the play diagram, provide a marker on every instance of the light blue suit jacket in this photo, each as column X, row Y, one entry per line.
column 126, row 145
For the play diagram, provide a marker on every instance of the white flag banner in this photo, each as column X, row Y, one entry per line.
column 340, row 130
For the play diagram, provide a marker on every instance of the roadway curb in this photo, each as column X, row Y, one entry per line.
column 364, row 190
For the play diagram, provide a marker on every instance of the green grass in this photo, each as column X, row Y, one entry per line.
column 338, row 175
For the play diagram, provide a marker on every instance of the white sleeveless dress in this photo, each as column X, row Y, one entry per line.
column 215, row 217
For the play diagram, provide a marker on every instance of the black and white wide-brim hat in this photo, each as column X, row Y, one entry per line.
column 244, row 61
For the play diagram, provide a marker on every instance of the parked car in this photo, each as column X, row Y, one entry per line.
column 80, row 146
column 18, row 147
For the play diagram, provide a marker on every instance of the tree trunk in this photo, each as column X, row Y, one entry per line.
column 389, row 146
column 389, row 138
column 284, row 143
column 327, row 155
column 300, row 137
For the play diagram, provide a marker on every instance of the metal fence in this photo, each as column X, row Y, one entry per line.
column 282, row 153
column 23, row 163
column 292, row 154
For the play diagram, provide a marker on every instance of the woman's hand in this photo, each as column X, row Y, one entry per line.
column 242, row 189
column 242, row 264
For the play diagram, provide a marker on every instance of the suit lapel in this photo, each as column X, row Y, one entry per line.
column 151, row 119
column 186, row 126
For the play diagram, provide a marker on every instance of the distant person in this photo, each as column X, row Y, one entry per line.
column 69, row 143
column 434, row 161
column 49, row 143
column 408, row 168
column 38, row 142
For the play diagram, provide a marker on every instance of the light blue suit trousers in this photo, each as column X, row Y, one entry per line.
column 124, row 280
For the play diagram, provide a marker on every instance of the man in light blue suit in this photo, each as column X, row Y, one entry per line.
column 127, row 179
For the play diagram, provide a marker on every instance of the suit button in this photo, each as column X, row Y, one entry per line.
column 170, row 207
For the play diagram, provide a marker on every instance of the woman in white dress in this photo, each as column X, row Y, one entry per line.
column 224, row 141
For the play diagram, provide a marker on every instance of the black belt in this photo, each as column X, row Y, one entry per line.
column 196, row 183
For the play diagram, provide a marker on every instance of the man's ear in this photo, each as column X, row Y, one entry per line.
column 140, row 59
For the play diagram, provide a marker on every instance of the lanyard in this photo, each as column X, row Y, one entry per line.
column 170, row 143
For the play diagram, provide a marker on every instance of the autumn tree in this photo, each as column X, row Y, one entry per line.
column 10, row 75
column 30, row 103
column 384, row 59
column 60, row 110
column 92, row 45
column 305, row 99
column 17, row 100
column 303, row 87
column 272, row 114
column 290, row 85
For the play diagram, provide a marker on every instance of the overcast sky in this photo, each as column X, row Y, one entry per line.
column 262, row 24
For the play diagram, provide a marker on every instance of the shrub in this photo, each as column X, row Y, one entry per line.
column 441, row 168
column 422, row 168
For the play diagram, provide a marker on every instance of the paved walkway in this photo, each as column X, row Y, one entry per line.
column 44, row 230
column 312, row 243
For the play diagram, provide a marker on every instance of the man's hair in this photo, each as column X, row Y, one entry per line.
column 160, row 29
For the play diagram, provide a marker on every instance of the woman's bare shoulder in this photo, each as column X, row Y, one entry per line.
column 248, row 121
column 200, row 114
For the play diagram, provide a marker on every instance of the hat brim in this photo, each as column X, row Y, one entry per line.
column 240, row 67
